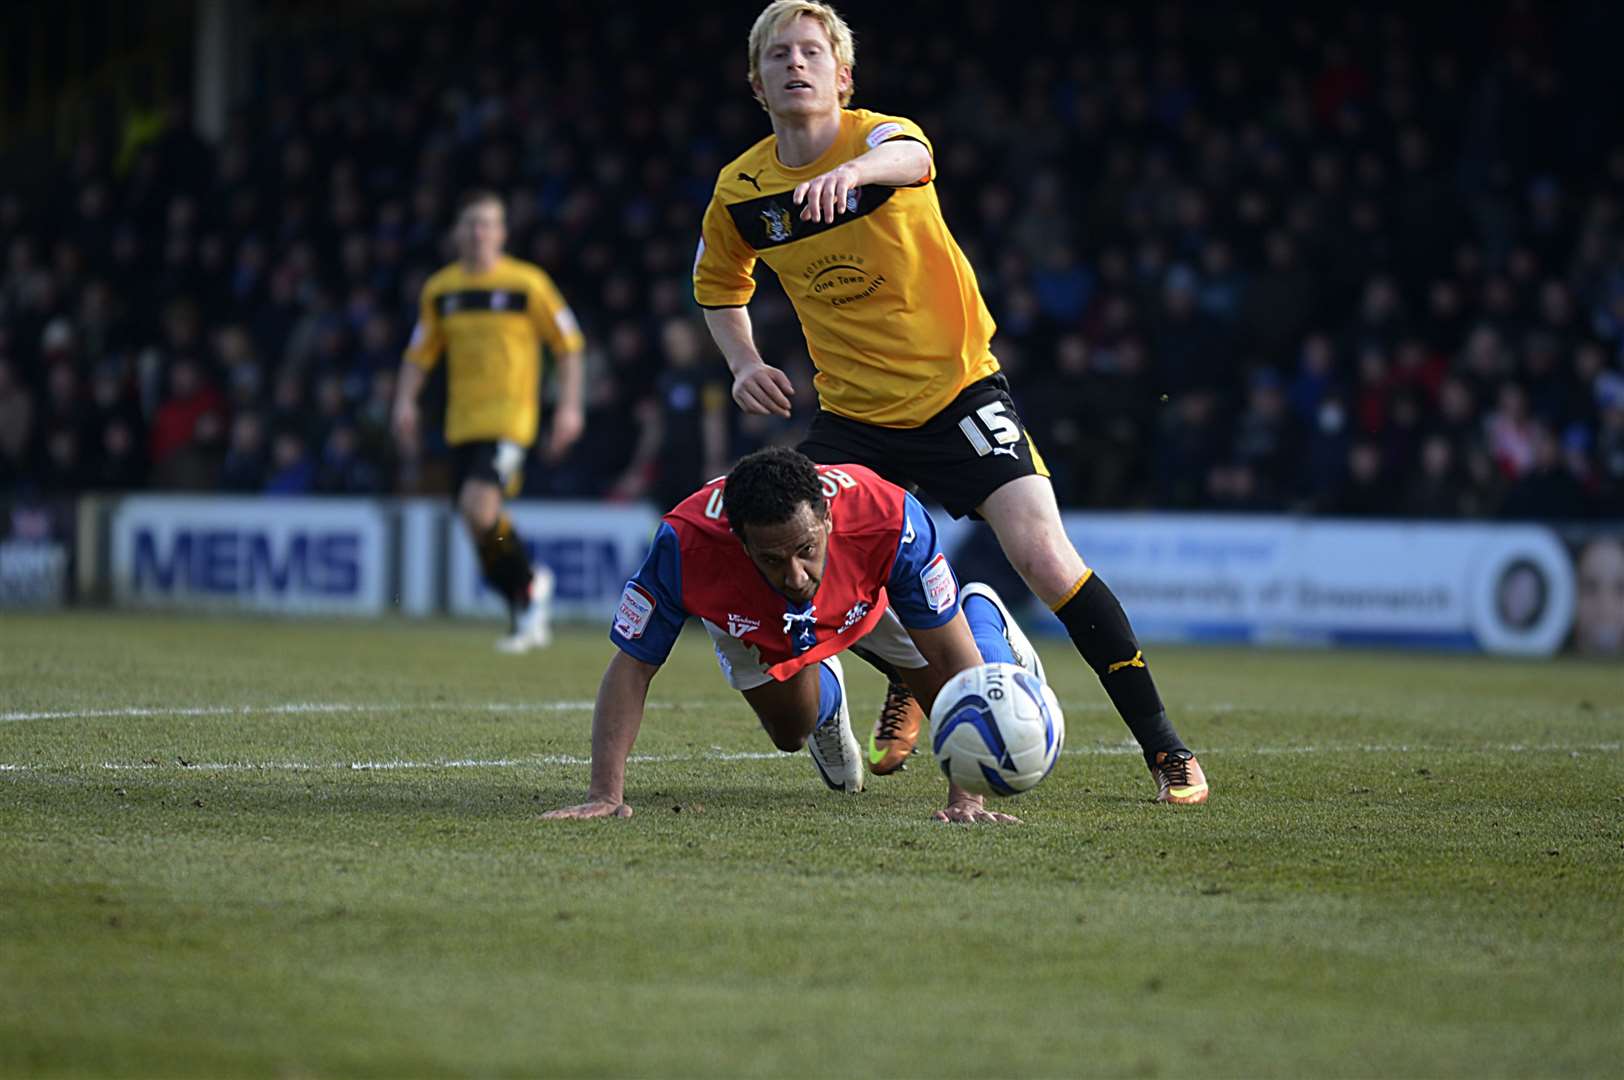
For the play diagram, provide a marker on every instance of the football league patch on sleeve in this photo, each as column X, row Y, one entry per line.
column 940, row 589
column 565, row 321
column 889, row 130
column 634, row 611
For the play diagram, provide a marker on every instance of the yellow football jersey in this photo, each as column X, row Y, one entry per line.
column 893, row 317
column 491, row 327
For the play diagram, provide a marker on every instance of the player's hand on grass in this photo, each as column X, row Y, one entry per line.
column 825, row 196
column 763, row 390
column 595, row 809
column 967, row 809
column 568, row 423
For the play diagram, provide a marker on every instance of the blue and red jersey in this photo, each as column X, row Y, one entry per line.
column 882, row 551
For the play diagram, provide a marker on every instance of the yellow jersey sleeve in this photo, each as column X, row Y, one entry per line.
column 555, row 322
column 724, row 265
column 877, row 129
column 428, row 339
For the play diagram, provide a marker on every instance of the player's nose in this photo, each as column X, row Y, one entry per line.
column 798, row 578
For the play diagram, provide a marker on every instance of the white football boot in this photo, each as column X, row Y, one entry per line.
column 532, row 625
column 1025, row 655
column 834, row 749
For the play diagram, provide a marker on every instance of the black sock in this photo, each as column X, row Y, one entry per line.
column 1099, row 628
column 505, row 564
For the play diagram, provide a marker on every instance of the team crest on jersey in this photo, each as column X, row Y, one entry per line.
column 855, row 615
column 940, row 588
column 777, row 221
column 634, row 611
column 740, row 625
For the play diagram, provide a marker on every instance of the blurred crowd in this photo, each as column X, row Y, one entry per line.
column 1354, row 261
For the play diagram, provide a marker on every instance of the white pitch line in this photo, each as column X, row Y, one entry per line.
column 544, row 760
column 309, row 708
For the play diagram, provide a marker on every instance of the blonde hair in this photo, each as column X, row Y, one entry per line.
column 780, row 13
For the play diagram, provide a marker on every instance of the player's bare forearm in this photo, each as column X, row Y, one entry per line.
column 569, row 419
column 731, row 330
column 571, row 380
column 948, row 649
column 893, row 164
column 408, row 385
column 616, row 719
column 757, row 386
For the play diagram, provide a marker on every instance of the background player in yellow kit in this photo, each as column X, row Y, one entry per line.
column 840, row 203
column 490, row 314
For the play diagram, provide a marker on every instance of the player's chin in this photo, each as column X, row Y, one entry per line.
column 801, row 105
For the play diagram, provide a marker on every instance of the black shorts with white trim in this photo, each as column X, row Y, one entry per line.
column 958, row 457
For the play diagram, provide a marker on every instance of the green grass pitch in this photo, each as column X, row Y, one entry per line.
column 242, row 847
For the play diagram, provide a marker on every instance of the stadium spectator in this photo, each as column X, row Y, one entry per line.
column 187, row 428
column 291, row 471
column 243, row 470
column 16, row 426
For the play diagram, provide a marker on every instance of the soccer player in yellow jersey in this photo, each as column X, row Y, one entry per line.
column 490, row 314
column 841, row 204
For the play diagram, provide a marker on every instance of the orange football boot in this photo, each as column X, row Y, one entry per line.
column 1179, row 778
column 896, row 732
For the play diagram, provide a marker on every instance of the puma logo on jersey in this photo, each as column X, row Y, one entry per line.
column 753, row 181
column 1010, row 450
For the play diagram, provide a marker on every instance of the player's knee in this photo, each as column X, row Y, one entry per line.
column 1048, row 564
column 480, row 505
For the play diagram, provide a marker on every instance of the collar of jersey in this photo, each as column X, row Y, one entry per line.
column 824, row 161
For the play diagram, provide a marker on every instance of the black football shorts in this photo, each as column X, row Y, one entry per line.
column 958, row 457
column 498, row 462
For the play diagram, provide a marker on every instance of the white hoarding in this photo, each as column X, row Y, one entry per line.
column 305, row 556
column 1500, row 588
column 592, row 549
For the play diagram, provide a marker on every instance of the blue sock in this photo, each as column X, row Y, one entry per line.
column 987, row 625
column 828, row 695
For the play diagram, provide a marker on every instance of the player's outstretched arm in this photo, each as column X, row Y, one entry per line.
column 949, row 649
column 616, row 719
column 757, row 386
column 891, row 164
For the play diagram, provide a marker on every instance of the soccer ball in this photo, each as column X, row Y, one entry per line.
column 996, row 729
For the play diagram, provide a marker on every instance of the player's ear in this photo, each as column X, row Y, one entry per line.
column 843, row 78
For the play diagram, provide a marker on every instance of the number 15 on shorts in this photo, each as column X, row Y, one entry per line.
column 1004, row 432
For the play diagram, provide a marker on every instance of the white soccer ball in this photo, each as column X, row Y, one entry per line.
column 996, row 729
